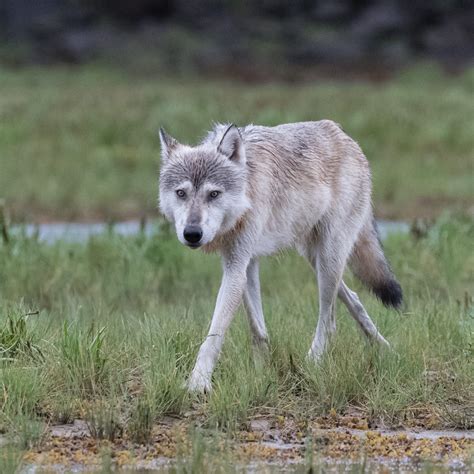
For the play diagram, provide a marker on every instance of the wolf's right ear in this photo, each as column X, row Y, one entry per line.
column 168, row 144
column 232, row 146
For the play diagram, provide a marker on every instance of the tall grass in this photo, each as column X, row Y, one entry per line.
column 121, row 319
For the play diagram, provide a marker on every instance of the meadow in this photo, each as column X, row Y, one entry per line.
column 107, row 331
column 81, row 143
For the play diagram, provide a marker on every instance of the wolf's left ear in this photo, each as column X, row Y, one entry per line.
column 232, row 146
column 168, row 144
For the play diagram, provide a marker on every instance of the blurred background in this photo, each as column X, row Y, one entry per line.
column 85, row 84
column 242, row 37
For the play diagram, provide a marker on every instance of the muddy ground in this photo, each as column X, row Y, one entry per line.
column 266, row 441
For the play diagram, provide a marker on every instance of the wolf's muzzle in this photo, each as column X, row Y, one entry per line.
column 192, row 234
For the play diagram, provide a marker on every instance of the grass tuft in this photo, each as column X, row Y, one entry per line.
column 83, row 357
column 17, row 339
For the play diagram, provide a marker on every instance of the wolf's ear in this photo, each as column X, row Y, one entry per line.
column 168, row 144
column 232, row 146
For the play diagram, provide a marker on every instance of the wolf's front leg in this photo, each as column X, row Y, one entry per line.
column 228, row 300
column 253, row 306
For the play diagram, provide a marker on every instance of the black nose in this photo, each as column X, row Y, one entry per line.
column 192, row 233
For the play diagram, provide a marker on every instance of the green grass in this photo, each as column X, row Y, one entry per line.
column 108, row 331
column 120, row 320
column 82, row 142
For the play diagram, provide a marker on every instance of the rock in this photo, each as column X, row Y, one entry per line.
column 77, row 429
column 260, row 424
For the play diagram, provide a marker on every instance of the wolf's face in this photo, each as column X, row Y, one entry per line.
column 203, row 188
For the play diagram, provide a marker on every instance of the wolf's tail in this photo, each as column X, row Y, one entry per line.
column 369, row 264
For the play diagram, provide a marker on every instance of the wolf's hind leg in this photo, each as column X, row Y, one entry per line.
column 253, row 307
column 358, row 312
column 329, row 262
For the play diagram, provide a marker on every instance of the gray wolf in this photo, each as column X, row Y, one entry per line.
column 251, row 191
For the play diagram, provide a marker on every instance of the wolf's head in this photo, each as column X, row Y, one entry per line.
column 203, row 188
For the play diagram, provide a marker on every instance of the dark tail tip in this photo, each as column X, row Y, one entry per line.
column 390, row 294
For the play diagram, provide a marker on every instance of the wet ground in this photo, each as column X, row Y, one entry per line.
column 268, row 444
column 80, row 232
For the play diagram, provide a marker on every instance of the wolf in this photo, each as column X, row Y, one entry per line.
column 247, row 192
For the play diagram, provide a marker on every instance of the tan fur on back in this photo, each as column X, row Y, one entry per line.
column 297, row 167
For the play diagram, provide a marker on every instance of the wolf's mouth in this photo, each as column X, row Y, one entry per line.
column 193, row 246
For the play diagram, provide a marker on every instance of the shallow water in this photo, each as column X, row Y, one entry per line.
column 162, row 466
column 403, row 464
column 81, row 232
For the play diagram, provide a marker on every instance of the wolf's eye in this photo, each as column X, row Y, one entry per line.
column 180, row 193
column 214, row 194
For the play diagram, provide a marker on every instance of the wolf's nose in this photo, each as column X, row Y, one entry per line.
column 192, row 234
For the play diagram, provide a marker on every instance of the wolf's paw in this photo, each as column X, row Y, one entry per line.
column 198, row 384
column 261, row 353
column 314, row 356
column 262, row 345
column 383, row 343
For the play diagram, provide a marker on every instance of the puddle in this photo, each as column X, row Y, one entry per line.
column 414, row 434
column 386, row 228
column 81, row 232
column 162, row 466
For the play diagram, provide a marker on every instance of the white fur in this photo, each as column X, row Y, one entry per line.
column 308, row 187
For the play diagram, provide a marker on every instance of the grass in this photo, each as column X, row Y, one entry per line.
column 115, row 324
column 108, row 331
column 96, row 127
